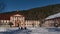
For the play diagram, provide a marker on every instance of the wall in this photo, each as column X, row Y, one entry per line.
column 52, row 22
column 4, row 23
column 48, row 23
column 17, row 19
column 32, row 23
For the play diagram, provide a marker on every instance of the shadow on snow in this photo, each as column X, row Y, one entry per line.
column 19, row 31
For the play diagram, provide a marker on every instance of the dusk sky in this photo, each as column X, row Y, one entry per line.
column 12, row 5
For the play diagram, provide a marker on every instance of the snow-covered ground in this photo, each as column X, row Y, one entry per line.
column 45, row 31
column 31, row 31
column 3, row 29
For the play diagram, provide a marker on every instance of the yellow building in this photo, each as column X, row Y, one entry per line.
column 18, row 19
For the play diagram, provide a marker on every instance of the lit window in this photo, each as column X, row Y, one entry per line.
column 7, row 21
column 4, row 21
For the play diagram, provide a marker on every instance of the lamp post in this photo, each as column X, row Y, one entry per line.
column 56, row 24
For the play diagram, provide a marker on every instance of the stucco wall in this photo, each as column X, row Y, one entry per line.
column 48, row 23
column 32, row 23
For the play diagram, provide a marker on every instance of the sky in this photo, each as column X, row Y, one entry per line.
column 12, row 5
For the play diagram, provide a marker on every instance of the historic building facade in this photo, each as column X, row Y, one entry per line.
column 17, row 19
column 52, row 21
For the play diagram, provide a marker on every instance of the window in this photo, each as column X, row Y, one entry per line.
column 7, row 21
column 1, row 21
column 4, row 21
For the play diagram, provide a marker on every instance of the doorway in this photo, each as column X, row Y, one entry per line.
column 17, row 23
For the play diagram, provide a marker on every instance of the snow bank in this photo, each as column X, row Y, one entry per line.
column 3, row 29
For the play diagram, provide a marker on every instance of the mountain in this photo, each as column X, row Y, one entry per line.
column 42, row 12
column 39, row 13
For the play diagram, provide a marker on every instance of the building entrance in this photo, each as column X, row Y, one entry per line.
column 17, row 20
column 17, row 23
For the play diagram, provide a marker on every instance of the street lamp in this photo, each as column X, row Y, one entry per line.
column 56, row 24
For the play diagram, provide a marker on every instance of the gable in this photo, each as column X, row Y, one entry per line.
column 17, row 15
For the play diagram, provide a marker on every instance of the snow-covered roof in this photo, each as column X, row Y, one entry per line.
column 53, row 16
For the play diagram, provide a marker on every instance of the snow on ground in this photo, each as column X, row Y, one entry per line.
column 3, row 29
column 38, row 29
column 44, row 31
column 32, row 31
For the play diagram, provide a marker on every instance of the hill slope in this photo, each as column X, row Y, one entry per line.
column 39, row 13
column 42, row 12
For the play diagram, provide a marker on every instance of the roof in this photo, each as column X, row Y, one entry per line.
column 53, row 16
column 6, row 16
